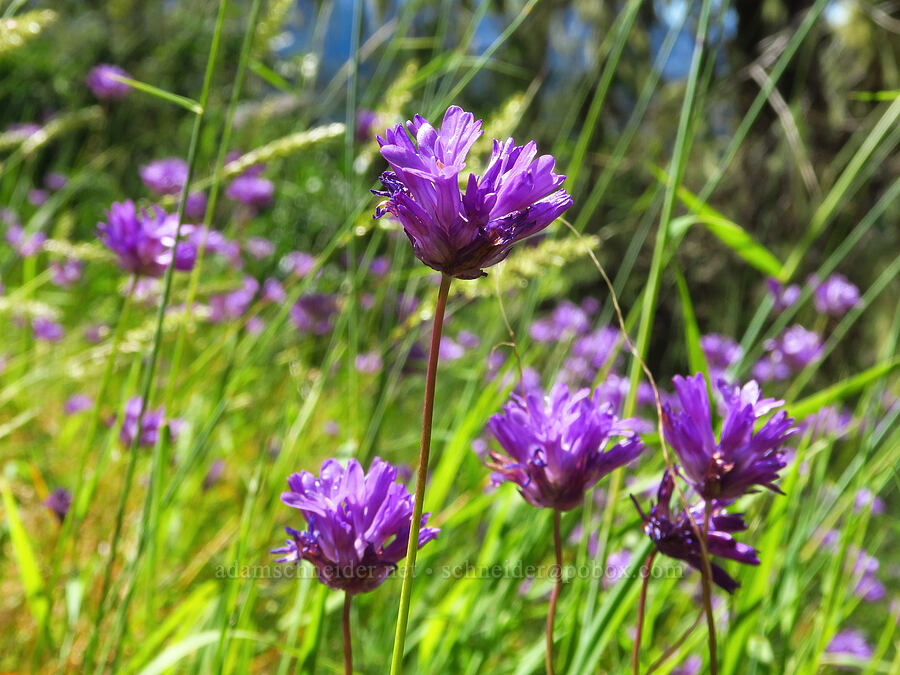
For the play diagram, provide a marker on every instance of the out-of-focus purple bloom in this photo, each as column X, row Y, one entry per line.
column 251, row 190
column 76, row 403
column 23, row 130
column 691, row 666
column 721, row 353
column 673, row 534
column 558, row 446
column 517, row 196
column 66, row 273
column 96, row 332
column 55, row 181
column 616, row 566
column 331, row 428
column 214, row 475
column 358, row 524
column 835, row 296
column 865, row 498
column 259, row 247
column 102, row 81
column 233, row 305
column 590, row 306
column 615, row 389
column 273, row 291
column 212, row 241
column 828, row 421
column 152, row 423
column 47, row 329
column 59, row 502
column 743, row 458
column 869, row 588
column 783, row 296
column 365, row 121
column 255, row 325
column 24, row 245
column 379, row 267
column 300, row 263
column 165, row 176
column 314, row 313
column 369, row 363
column 468, row 339
column 567, row 320
column 590, row 353
column 143, row 240
column 195, row 206
column 37, row 197
column 451, row 350
column 795, row 349
column 850, row 642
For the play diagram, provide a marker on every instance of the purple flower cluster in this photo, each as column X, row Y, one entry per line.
column 835, row 296
column 143, row 240
column 153, row 422
column 557, row 447
column 674, row 534
column 59, row 502
column 721, row 353
column 166, row 176
column 26, row 246
column 315, row 313
column 517, row 196
column 102, row 81
column 358, row 523
column 233, row 305
column 795, row 349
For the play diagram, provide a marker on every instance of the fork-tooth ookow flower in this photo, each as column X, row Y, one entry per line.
column 674, row 536
column 559, row 445
column 517, row 196
column 251, row 190
column 59, row 502
column 165, row 176
column 102, row 81
column 359, row 523
column 142, row 240
column 742, row 458
column 153, row 421
column 835, row 296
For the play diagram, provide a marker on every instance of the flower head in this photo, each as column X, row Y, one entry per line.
column 26, row 246
column 102, row 81
column 314, row 313
column 742, row 458
column 558, row 446
column 251, row 190
column 517, row 196
column 78, row 402
column 358, row 523
column 782, row 296
column 791, row 352
column 67, row 272
column 165, row 176
column 153, row 421
column 143, row 240
column 59, row 501
column 721, row 353
column 47, row 329
column 835, row 296
column 851, row 642
column 674, row 534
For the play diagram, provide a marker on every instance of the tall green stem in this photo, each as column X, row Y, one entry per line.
column 348, row 645
column 427, row 417
column 707, row 594
column 554, row 595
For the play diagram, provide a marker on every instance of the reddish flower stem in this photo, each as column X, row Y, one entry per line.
column 636, row 652
column 557, row 587
column 348, row 646
column 427, row 417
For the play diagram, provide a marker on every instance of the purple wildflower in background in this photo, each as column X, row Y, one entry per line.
column 468, row 339
column 795, row 349
column 827, row 422
column 251, row 190
column 835, row 296
column 59, row 502
column 869, row 587
column 379, row 267
column 195, row 206
column 273, row 291
column 96, row 332
column 314, row 313
column 102, row 81
column 692, row 665
column 235, row 304
column 451, row 350
column 459, row 235
column 566, row 321
column 674, row 536
column 369, row 363
column 721, row 353
column 365, row 122
column 55, row 181
column 255, row 325
column 866, row 499
column 590, row 353
column 23, row 130
column 783, row 296
column 359, row 524
column 77, row 403
column 259, row 247
column 214, row 476
column 47, row 329
column 153, row 421
column 65, row 274
column 143, row 240
column 24, row 245
column 742, row 458
column 850, row 642
column 558, row 446
column 37, row 197
column 165, row 176
column 299, row 263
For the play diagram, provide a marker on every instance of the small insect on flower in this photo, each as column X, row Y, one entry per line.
column 517, row 196
column 358, row 524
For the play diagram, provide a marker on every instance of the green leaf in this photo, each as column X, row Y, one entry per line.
column 842, row 389
column 29, row 572
column 696, row 357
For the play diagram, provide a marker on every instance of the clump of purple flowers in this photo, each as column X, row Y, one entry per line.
column 674, row 534
column 517, row 196
column 743, row 458
column 26, row 246
column 558, row 446
column 153, row 422
column 795, row 349
column 59, row 502
column 143, row 240
column 165, row 176
column 314, row 313
column 358, row 523
column 102, row 81
column 835, row 296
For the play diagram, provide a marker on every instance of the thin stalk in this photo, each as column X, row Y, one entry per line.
column 707, row 595
column 554, row 595
column 675, row 646
column 642, row 606
column 348, row 645
column 427, row 417
column 154, row 353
